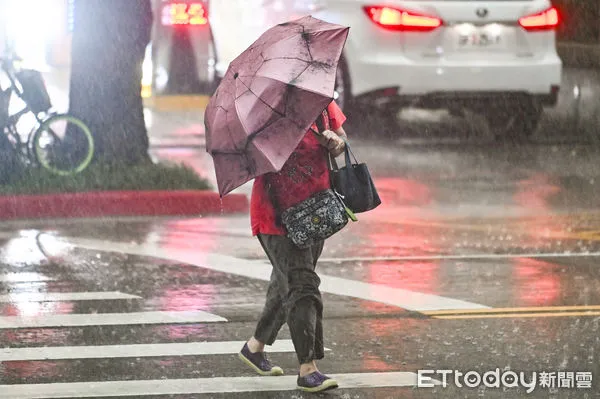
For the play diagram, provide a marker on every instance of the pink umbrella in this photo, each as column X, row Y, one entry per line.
column 269, row 97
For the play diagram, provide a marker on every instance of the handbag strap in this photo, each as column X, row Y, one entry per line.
column 347, row 152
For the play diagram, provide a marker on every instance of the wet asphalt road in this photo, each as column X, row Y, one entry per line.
column 482, row 256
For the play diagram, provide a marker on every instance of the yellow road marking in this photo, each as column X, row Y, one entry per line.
column 495, row 225
column 177, row 102
column 510, row 310
column 517, row 315
column 588, row 235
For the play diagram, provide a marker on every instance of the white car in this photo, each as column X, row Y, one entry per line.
column 495, row 57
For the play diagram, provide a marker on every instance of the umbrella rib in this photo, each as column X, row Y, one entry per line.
column 263, row 128
column 304, row 88
column 254, row 134
column 300, row 74
column 225, row 152
column 227, row 125
column 287, row 58
column 319, row 29
column 290, row 83
column 263, row 101
column 306, row 42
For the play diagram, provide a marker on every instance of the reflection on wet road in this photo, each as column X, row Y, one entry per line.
column 481, row 257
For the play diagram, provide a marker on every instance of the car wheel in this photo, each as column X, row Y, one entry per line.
column 519, row 122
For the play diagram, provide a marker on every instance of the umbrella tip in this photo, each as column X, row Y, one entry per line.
column 235, row 75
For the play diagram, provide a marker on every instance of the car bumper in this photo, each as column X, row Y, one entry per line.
column 535, row 78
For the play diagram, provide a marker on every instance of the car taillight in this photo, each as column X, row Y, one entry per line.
column 545, row 20
column 397, row 19
column 184, row 14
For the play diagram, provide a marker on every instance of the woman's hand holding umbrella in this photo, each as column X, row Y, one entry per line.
column 334, row 143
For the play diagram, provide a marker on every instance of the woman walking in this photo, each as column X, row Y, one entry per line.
column 293, row 295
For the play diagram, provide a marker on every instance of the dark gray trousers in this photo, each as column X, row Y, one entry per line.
column 293, row 296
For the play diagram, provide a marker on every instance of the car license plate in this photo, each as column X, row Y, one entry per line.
column 479, row 38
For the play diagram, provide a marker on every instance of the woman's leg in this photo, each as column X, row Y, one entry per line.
column 294, row 291
column 316, row 316
column 319, row 348
column 271, row 320
column 305, row 319
column 305, row 306
column 295, row 268
column 274, row 313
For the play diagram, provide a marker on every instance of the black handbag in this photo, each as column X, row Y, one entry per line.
column 354, row 183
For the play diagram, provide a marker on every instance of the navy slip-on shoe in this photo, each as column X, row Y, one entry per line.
column 316, row 382
column 258, row 362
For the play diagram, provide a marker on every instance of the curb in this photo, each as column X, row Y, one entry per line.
column 121, row 203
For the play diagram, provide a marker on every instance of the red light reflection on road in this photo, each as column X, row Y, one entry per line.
column 414, row 276
column 378, row 333
column 394, row 191
column 371, row 362
column 536, row 282
column 32, row 309
column 402, row 199
column 25, row 370
column 187, row 298
column 535, row 192
column 181, row 234
column 182, row 332
column 181, row 296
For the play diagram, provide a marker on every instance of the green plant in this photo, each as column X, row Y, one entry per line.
column 108, row 177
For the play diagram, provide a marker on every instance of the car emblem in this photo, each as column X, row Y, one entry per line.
column 482, row 12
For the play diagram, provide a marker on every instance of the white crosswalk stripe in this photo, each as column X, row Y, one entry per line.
column 107, row 319
column 65, row 296
column 197, row 386
column 135, row 350
column 24, row 278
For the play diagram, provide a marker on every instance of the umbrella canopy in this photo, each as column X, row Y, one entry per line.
column 269, row 97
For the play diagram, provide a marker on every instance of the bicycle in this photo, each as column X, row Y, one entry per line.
column 60, row 143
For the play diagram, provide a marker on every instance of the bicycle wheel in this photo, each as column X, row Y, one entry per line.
column 63, row 144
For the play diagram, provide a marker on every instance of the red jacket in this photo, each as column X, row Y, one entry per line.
column 305, row 173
